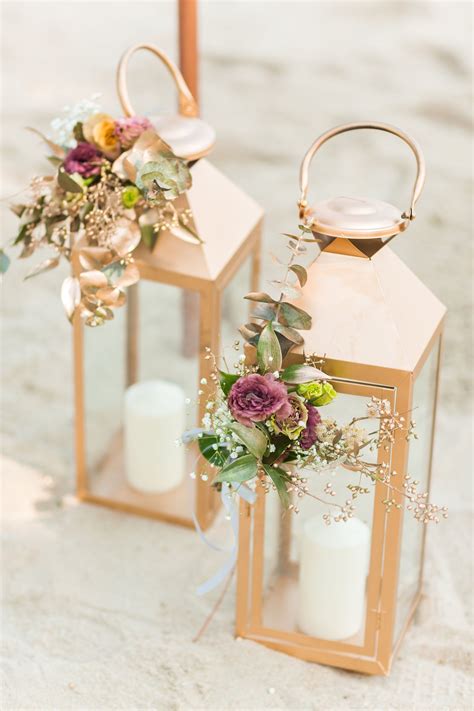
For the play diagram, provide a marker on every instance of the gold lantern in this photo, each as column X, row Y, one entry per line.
column 127, row 418
column 378, row 328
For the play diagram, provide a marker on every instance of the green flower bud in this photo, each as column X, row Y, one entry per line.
column 318, row 394
column 130, row 196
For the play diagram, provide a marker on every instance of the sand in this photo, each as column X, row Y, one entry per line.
column 99, row 608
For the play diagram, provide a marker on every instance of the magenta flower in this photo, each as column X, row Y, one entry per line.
column 308, row 436
column 254, row 398
column 128, row 130
column 85, row 159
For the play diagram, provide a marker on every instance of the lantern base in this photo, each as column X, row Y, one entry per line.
column 109, row 487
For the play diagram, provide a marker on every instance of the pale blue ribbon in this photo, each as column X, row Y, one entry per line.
column 232, row 513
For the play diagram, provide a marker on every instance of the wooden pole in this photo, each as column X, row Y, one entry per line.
column 188, row 62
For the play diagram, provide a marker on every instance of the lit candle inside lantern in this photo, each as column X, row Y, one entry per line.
column 154, row 420
column 333, row 571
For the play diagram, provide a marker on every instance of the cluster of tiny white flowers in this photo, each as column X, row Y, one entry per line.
column 62, row 126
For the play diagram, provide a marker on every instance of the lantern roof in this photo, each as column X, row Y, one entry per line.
column 369, row 311
column 222, row 215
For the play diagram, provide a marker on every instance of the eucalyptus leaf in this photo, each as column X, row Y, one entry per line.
column 253, row 438
column 238, row 471
column 300, row 272
column 292, row 292
column 302, row 373
column 260, row 296
column 264, row 312
column 251, row 332
column 290, row 333
column 268, row 350
column 294, row 317
column 113, row 271
column 278, row 477
column 45, row 266
column 4, row 262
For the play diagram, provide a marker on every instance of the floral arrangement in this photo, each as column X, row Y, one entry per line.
column 265, row 424
column 115, row 185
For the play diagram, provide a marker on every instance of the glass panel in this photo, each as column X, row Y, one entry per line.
column 131, row 432
column 235, row 310
column 419, row 454
column 316, row 576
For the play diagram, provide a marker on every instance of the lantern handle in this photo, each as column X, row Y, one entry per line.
column 186, row 102
column 420, row 162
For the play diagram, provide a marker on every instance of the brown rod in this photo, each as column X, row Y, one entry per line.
column 188, row 62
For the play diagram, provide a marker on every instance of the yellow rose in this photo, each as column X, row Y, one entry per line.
column 99, row 129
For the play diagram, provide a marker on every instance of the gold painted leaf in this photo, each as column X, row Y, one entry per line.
column 70, row 295
column 130, row 276
column 45, row 266
column 93, row 278
column 126, row 237
column 57, row 150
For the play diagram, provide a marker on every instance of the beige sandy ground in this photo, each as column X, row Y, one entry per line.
column 99, row 608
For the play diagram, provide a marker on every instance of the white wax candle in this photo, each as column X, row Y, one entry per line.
column 154, row 419
column 333, row 571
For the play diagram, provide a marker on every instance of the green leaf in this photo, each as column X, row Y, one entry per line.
column 281, row 443
column 18, row 209
column 227, row 380
column 294, row 317
column 260, row 296
column 264, row 312
column 149, row 235
column 302, row 373
column 113, row 271
column 278, row 476
column 21, row 235
column 4, row 262
column 300, row 272
column 268, row 350
column 78, row 132
column 238, row 471
column 253, row 438
column 290, row 333
column 251, row 332
column 68, row 183
column 217, row 456
column 54, row 160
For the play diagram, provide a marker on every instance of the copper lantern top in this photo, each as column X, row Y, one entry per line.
column 367, row 306
column 365, row 224
column 189, row 136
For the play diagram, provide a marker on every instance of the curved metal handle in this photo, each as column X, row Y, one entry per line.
column 420, row 161
column 186, row 101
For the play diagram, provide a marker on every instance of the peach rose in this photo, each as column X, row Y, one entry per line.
column 99, row 130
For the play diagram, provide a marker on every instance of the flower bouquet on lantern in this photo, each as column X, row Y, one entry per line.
column 265, row 423
column 115, row 184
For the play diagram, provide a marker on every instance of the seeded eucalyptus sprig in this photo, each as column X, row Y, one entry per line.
column 276, row 325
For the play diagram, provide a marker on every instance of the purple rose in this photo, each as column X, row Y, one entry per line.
column 83, row 159
column 308, row 436
column 128, row 130
column 254, row 398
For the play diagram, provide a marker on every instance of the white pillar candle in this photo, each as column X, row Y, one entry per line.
column 155, row 417
column 333, row 571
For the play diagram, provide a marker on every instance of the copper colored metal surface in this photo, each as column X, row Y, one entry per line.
column 375, row 325
column 189, row 136
column 356, row 217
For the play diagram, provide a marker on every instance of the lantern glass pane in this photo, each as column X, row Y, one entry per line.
column 317, row 579
column 419, row 458
column 141, row 382
column 234, row 312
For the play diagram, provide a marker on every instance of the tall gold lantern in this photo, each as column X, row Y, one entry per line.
column 378, row 329
column 186, row 301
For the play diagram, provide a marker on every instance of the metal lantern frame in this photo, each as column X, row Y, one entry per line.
column 367, row 378
column 230, row 224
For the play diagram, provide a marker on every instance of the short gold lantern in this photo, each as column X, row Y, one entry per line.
column 348, row 602
column 137, row 378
